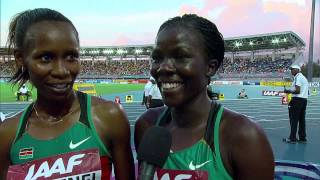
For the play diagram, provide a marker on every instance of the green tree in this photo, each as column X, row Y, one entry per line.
column 315, row 69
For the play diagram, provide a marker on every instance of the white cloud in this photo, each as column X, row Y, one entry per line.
column 137, row 28
column 298, row 2
column 216, row 12
column 138, row 22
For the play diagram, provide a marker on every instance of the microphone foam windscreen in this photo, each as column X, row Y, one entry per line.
column 155, row 145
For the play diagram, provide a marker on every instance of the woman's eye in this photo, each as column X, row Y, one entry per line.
column 72, row 57
column 182, row 56
column 46, row 58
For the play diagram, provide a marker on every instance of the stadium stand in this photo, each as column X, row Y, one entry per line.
column 256, row 56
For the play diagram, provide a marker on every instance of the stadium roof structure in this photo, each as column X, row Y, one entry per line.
column 117, row 50
column 269, row 41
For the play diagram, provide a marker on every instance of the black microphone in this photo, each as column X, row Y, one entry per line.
column 153, row 151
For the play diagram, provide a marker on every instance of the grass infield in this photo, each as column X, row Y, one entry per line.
column 7, row 91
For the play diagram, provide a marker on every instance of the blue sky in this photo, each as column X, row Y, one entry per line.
column 127, row 22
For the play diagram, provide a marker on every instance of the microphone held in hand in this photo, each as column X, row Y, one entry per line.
column 153, row 151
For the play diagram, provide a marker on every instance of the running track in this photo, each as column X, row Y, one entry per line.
column 268, row 112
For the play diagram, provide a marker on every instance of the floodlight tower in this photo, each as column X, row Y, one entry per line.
column 310, row 60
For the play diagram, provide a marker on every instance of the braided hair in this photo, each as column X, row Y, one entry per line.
column 213, row 39
column 18, row 28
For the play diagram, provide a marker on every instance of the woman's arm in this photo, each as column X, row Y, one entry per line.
column 115, row 130
column 251, row 154
column 7, row 133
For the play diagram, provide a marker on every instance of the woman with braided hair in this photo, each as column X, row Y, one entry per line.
column 63, row 134
column 209, row 141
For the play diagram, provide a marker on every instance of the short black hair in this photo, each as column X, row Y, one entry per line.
column 213, row 39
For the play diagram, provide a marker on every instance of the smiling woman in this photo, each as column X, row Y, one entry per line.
column 62, row 125
column 208, row 140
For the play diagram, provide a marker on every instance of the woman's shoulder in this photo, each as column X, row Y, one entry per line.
column 109, row 117
column 239, row 127
column 246, row 143
column 11, row 122
column 150, row 116
column 106, row 106
column 9, row 127
column 145, row 121
column 108, row 112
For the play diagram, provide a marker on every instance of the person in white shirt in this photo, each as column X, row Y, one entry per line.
column 147, row 88
column 154, row 98
column 297, row 106
column 23, row 91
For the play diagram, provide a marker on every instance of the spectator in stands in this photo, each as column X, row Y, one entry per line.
column 61, row 123
column 7, row 68
column 227, row 145
column 297, row 106
column 264, row 66
column 114, row 68
column 240, row 67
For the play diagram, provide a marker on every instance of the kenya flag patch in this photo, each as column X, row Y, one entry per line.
column 26, row 153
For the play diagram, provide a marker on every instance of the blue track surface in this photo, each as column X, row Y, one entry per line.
column 269, row 113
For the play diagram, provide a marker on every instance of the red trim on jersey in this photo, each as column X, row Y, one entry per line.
column 106, row 167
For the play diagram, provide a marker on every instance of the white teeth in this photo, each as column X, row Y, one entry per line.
column 170, row 85
column 60, row 86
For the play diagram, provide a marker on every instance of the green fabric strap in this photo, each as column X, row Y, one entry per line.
column 95, row 134
column 217, row 144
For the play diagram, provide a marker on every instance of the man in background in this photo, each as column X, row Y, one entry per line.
column 242, row 94
column 297, row 106
column 147, row 88
column 154, row 98
column 23, row 91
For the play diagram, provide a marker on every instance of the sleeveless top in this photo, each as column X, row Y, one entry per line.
column 80, row 136
column 202, row 160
